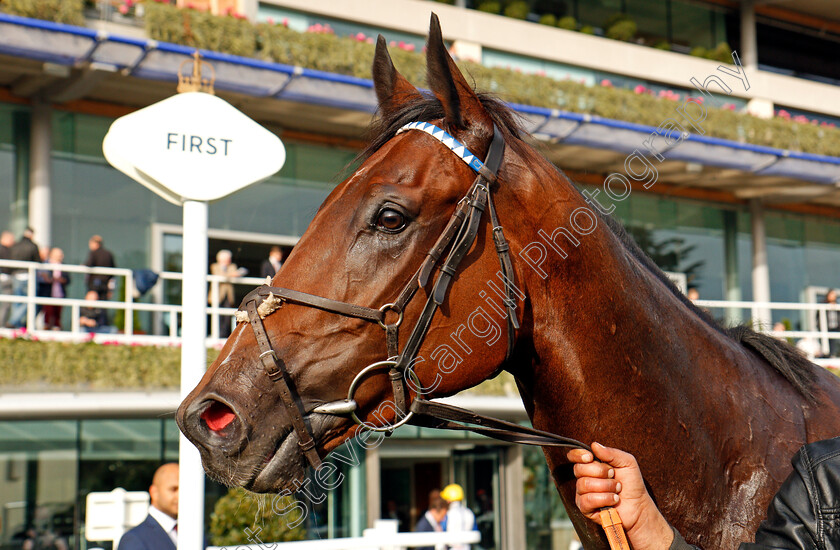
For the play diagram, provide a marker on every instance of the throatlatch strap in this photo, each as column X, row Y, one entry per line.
column 275, row 370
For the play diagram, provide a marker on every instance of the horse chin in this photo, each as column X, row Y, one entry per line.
column 283, row 469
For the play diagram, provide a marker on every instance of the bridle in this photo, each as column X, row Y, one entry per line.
column 457, row 237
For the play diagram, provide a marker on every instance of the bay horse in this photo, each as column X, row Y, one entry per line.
column 602, row 346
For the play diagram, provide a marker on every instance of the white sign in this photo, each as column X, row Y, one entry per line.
column 193, row 146
column 109, row 515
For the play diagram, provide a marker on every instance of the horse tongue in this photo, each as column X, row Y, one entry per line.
column 218, row 416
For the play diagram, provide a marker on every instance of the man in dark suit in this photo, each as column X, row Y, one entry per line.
column 160, row 529
column 431, row 520
column 272, row 265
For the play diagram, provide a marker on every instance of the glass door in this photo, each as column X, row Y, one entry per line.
column 477, row 471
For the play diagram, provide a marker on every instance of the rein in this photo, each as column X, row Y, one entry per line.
column 457, row 237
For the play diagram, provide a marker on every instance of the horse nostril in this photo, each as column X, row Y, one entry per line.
column 218, row 416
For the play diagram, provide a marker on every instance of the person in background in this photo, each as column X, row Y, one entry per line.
column 7, row 241
column 433, row 518
column 272, row 265
column 90, row 317
column 56, row 281
column 459, row 518
column 42, row 285
column 832, row 321
column 224, row 267
column 98, row 256
column 160, row 529
column 24, row 250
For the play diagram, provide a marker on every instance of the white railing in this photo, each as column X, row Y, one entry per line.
column 806, row 312
column 128, row 304
column 383, row 536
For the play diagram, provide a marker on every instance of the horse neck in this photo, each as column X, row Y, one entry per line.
column 602, row 325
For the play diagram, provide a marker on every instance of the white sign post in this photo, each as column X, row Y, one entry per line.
column 109, row 515
column 190, row 149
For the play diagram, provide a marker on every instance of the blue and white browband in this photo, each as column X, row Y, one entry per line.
column 456, row 146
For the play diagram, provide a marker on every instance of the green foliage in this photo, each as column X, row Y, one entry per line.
column 548, row 19
column 624, row 30
column 31, row 365
column 663, row 45
column 722, row 52
column 699, row 51
column 240, row 509
column 569, row 23
column 328, row 52
column 200, row 29
column 517, row 10
column 489, row 6
column 587, row 29
column 670, row 254
column 119, row 316
column 59, row 11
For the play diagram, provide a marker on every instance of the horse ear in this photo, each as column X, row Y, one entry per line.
column 392, row 89
column 460, row 103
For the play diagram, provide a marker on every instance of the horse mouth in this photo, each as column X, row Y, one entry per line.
column 280, row 468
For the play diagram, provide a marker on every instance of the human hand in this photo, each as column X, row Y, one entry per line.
column 616, row 481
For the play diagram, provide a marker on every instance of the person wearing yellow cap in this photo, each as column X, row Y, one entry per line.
column 459, row 518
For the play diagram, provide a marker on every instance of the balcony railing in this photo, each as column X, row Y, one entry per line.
column 805, row 315
column 128, row 305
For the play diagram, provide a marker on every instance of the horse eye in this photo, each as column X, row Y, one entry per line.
column 390, row 220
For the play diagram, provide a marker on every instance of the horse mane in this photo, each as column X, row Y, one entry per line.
column 784, row 358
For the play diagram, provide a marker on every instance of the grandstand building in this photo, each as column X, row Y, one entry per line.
column 743, row 204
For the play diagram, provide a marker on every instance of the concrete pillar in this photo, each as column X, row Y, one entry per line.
column 731, row 284
column 760, row 271
column 749, row 44
column 513, row 497
column 373, row 484
column 40, row 157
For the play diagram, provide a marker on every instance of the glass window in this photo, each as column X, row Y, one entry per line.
column 38, row 488
column 692, row 24
column 596, row 12
column 650, row 16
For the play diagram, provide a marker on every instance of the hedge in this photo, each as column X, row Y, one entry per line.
column 29, row 365
column 59, row 11
column 353, row 56
column 240, row 514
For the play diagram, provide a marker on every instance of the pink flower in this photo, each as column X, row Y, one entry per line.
column 285, row 22
column 781, row 113
column 270, row 21
column 606, row 83
column 639, row 89
column 123, row 9
column 541, row 73
column 801, row 119
column 369, row 40
column 359, row 36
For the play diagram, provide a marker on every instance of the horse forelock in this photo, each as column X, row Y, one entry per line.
column 427, row 108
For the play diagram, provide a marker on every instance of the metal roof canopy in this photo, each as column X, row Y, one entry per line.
column 60, row 63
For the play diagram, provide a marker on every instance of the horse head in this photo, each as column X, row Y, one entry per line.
column 365, row 247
